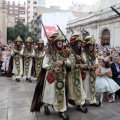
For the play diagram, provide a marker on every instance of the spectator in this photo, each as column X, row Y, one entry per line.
column 115, row 66
column 104, row 84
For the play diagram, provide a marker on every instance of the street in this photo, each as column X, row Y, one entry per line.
column 15, row 102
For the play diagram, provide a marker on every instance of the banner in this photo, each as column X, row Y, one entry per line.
column 50, row 30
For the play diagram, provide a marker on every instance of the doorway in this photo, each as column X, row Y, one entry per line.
column 105, row 39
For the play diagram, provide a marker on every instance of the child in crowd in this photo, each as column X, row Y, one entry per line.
column 104, row 83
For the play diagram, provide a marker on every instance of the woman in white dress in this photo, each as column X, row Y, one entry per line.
column 104, row 83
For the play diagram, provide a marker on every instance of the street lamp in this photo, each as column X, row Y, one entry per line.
column 83, row 31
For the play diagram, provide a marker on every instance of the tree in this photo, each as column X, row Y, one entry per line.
column 10, row 34
column 19, row 30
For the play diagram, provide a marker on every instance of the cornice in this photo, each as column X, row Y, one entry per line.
column 101, row 15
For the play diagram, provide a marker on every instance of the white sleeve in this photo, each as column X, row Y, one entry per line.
column 12, row 53
column 45, row 64
column 21, row 53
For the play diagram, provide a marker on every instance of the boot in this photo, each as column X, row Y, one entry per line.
column 47, row 111
column 27, row 79
column 82, row 109
column 17, row 79
column 30, row 80
column 63, row 116
column 96, row 104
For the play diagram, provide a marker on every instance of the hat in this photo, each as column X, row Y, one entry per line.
column 40, row 41
column 29, row 39
column 18, row 39
column 89, row 40
column 56, row 37
column 76, row 37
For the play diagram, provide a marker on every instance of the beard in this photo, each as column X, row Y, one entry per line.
column 57, row 47
column 40, row 47
column 77, row 49
column 18, row 46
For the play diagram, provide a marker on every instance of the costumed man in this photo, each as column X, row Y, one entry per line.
column 53, row 90
column 17, row 54
column 29, row 54
column 89, row 83
column 39, row 55
column 76, row 93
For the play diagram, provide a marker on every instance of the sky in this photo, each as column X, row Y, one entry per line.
column 64, row 4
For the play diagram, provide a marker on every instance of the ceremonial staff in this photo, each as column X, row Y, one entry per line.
column 51, row 48
column 67, row 40
column 71, row 30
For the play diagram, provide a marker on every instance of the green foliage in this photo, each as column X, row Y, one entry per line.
column 10, row 34
column 19, row 30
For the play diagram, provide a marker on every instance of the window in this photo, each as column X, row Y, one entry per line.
column 11, row 12
column 16, row 8
column 11, row 8
column 28, row 2
column 16, row 12
column 22, row 12
column 22, row 20
column 21, row 8
column 34, row 7
column 35, row 2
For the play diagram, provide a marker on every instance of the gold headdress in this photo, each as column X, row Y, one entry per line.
column 40, row 41
column 18, row 39
column 29, row 39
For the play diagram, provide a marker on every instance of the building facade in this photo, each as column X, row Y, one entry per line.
column 3, row 22
column 50, row 18
column 32, row 8
column 104, row 24
column 11, row 21
column 78, row 7
column 17, row 10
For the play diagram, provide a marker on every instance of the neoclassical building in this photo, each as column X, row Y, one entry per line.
column 3, row 22
column 104, row 24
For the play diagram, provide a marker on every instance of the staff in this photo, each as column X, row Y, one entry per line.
column 52, row 51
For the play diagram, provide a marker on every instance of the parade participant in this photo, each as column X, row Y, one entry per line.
column 76, row 93
column 39, row 55
column 53, row 92
column 29, row 53
column 17, row 54
column 89, row 82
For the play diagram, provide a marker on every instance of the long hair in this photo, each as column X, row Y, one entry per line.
column 91, row 53
column 106, row 63
column 77, row 49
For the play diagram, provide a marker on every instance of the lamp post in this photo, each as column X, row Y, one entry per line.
column 83, row 31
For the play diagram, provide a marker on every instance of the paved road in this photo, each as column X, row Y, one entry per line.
column 15, row 101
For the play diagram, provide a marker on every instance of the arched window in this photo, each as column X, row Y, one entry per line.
column 106, row 32
column 105, row 37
